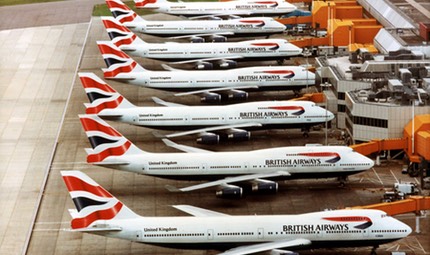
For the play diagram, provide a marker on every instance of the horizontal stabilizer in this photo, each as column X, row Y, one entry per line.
column 118, row 163
column 97, row 229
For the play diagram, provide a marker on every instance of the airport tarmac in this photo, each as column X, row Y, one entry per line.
column 39, row 82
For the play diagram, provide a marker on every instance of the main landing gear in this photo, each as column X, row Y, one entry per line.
column 305, row 132
column 342, row 181
column 373, row 251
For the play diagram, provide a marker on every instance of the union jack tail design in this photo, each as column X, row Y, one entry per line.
column 92, row 202
column 101, row 95
column 147, row 3
column 119, row 64
column 122, row 12
column 119, row 34
column 108, row 146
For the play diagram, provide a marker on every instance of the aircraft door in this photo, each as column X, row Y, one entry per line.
column 138, row 236
column 210, row 234
column 260, row 233
column 365, row 233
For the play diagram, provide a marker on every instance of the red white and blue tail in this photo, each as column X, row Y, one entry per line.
column 121, row 36
column 93, row 203
column 109, row 147
column 101, row 95
column 123, row 13
column 150, row 4
column 120, row 65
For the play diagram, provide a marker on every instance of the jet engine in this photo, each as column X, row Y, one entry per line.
column 218, row 38
column 211, row 98
column 208, row 138
column 237, row 95
column 196, row 39
column 228, row 64
column 264, row 186
column 204, row 66
column 229, row 191
column 239, row 135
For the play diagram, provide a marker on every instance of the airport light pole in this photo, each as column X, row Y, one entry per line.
column 325, row 86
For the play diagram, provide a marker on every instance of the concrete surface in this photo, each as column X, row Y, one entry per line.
column 36, row 73
column 46, row 14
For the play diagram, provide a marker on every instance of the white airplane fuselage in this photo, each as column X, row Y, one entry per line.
column 299, row 162
column 263, row 78
column 246, row 50
column 249, row 7
column 328, row 229
column 234, row 27
column 275, row 114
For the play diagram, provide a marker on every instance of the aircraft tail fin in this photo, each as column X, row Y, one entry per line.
column 101, row 95
column 123, row 13
column 93, row 203
column 119, row 34
column 108, row 145
column 149, row 4
column 120, row 65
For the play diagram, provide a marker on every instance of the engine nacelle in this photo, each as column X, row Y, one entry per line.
column 197, row 39
column 218, row 38
column 230, row 191
column 208, row 138
column 237, row 95
column 264, row 186
column 204, row 66
column 228, row 64
column 211, row 98
column 239, row 135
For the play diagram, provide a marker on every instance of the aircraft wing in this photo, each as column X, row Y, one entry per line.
column 214, row 90
column 228, row 180
column 248, row 249
column 216, row 128
column 200, row 35
column 184, row 148
column 233, row 15
column 205, row 59
column 168, row 104
column 198, row 212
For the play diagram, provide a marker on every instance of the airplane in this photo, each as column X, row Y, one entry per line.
column 99, row 212
column 209, row 83
column 234, row 120
column 230, row 9
column 225, row 55
column 195, row 30
column 257, row 168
